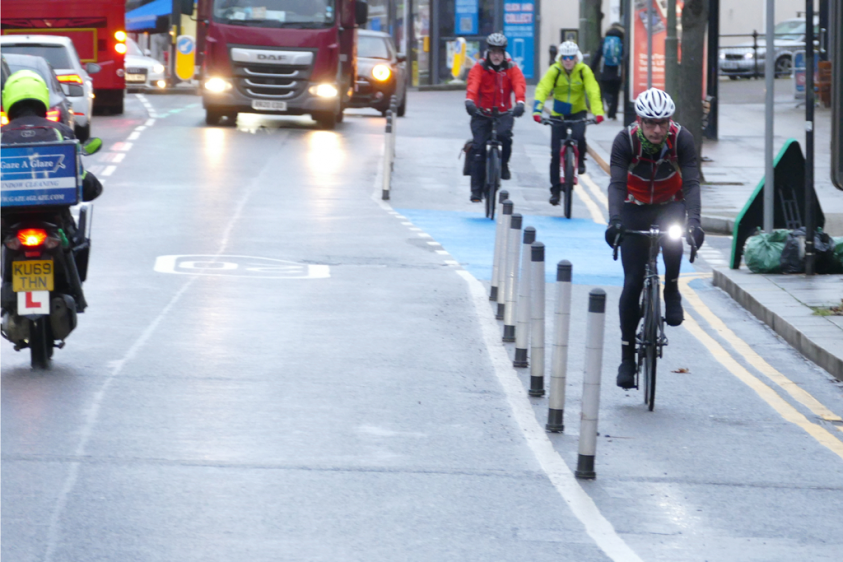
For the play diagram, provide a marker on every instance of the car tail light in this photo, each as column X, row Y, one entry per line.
column 75, row 78
column 4, row 119
column 31, row 237
column 54, row 115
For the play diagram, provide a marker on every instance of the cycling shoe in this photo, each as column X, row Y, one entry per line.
column 673, row 314
column 505, row 175
column 476, row 196
column 555, row 196
column 626, row 374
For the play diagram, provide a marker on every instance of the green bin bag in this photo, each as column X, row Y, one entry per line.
column 763, row 252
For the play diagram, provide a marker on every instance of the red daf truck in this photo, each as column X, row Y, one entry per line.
column 288, row 57
column 97, row 29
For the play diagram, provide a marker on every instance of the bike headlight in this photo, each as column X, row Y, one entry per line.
column 381, row 72
column 674, row 232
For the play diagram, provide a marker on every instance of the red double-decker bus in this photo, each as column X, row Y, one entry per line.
column 96, row 27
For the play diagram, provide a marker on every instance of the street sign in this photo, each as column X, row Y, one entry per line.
column 185, row 57
column 836, row 56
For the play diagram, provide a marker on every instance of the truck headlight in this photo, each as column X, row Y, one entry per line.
column 217, row 85
column 324, row 91
column 158, row 69
column 381, row 72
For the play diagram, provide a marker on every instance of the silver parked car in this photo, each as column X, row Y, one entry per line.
column 62, row 56
column 740, row 60
column 143, row 73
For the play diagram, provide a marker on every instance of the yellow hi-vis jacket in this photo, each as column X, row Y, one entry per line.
column 569, row 91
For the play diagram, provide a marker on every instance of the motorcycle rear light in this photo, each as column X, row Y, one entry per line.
column 75, row 78
column 32, row 236
column 54, row 115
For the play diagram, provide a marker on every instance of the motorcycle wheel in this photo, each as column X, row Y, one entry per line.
column 40, row 343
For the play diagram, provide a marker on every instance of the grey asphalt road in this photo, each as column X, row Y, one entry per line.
column 276, row 365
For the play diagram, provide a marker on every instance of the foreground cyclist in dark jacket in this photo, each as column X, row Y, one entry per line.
column 655, row 181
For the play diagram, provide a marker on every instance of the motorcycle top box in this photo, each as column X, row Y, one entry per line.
column 40, row 174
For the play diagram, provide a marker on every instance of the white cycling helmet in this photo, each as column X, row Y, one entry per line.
column 496, row 39
column 568, row 49
column 654, row 104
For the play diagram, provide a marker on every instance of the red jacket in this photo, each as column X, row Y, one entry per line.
column 488, row 88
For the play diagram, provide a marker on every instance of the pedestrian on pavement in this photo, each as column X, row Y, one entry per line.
column 569, row 82
column 655, row 181
column 492, row 82
column 610, row 53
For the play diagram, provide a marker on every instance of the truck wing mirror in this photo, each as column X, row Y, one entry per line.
column 361, row 13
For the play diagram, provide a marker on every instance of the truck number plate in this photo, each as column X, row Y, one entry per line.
column 269, row 105
column 34, row 275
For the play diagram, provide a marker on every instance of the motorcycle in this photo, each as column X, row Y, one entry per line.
column 45, row 251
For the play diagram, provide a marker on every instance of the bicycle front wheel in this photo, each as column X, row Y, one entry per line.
column 652, row 319
column 493, row 181
column 569, row 181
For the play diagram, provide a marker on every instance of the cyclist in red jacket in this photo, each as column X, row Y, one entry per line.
column 491, row 84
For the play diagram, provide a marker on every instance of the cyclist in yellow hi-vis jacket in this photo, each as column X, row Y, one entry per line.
column 568, row 81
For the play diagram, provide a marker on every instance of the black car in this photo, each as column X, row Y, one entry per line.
column 60, row 107
column 381, row 73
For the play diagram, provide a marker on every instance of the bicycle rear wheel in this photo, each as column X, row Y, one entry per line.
column 493, row 183
column 569, row 181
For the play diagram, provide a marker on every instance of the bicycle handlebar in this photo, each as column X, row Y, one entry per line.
column 688, row 238
column 490, row 115
column 557, row 121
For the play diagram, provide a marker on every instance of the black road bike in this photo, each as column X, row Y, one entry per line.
column 494, row 155
column 568, row 157
column 650, row 338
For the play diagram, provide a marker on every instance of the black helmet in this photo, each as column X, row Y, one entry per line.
column 496, row 40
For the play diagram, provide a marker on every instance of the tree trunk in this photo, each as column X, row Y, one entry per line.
column 589, row 37
column 689, row 109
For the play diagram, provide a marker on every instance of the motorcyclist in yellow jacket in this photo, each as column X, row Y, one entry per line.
column 569, row 82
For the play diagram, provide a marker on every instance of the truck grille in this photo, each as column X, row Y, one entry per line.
column 271, row 81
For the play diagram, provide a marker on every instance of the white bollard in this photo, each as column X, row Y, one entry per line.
column 537, row 320
column 591, row 383
column 387, row 158
column 504, row 266
column 514, row 252
column 522, row 325
column 559, row 355
column 499, row 237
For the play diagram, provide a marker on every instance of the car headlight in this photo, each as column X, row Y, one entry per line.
column 218, row 85
column 324, row 91
column 381, row 73
column 748, row 56
column 722, row 56
column 158, row 69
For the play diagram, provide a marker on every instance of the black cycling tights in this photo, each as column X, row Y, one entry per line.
column 635, row 255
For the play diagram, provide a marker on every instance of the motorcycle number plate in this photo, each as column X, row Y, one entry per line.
column 269, row 105
column 32, row 275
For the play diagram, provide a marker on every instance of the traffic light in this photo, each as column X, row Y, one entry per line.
column 836, row 55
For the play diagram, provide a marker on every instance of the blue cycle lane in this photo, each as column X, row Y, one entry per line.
column 470, row 239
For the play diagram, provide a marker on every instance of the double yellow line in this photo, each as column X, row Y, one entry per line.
column 764, row 391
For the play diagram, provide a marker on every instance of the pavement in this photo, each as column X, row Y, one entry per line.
column 733, row 166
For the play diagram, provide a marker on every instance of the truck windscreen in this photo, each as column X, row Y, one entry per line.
column 275, row 13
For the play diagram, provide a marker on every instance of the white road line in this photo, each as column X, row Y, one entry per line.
column 122, row 146
column 150, row 122
column 118, row 157
column 434, row 243
column 423, row 235
column 416, row 229
column 580, row 503
column 134, row 136
column 140, row 128
column 108, row 171
column 452, row 262
column 443, row 252
column 96, row 169
column 406, row 223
